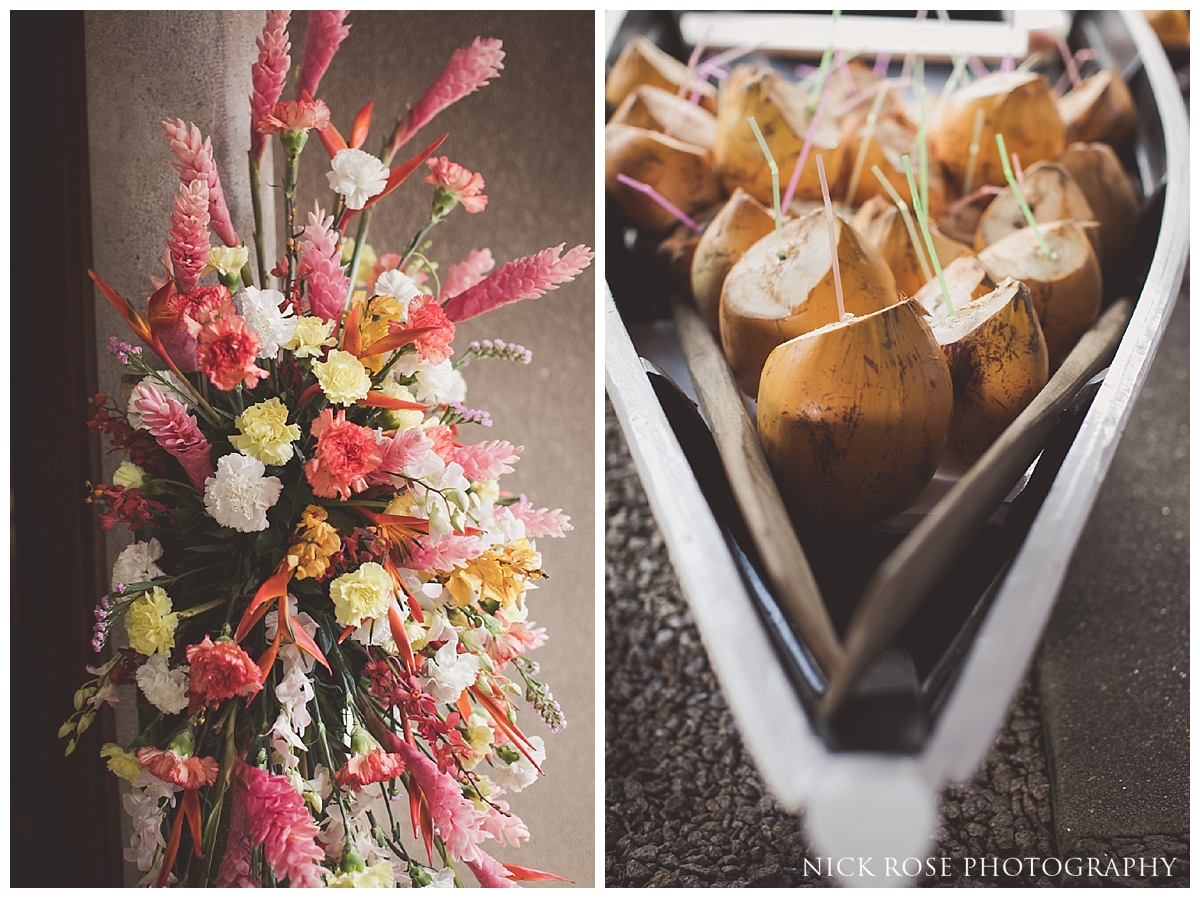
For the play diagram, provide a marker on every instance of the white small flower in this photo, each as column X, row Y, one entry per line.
column 177, row 391
column 442, row 879
column 136, row 564
column 436, row 384
column 399, row 286
column 521, row 773
column 164, row 688
column 450, row 673
column 240, row 494
column 358, row 176
column 260, row 308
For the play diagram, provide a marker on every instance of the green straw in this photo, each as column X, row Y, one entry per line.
column 868, row 134
column 908, row 222
column 774, row 186
column 823, row 68
column 924, row 222
column 1012, row 182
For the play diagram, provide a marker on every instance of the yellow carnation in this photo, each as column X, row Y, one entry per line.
column 343, row 378
column 151, row 623
column 123, row 763
column 377, row 876
column 311, row 335
column 129, row 476
column 364, row 593
column 226, row 259
column 265, row 433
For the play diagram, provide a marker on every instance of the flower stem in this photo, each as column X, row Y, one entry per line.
column 360, row 238
column 289, row 201
column 260, row 252
column 200, row 609
column 212, row 827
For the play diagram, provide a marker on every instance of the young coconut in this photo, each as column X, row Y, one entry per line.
column 737, row 227
column 1099, row 108
column 681, row 172
column 998, row 362
column 893, row 136
column 780, row 109
column 1018, row 104
column 677, row 250
column 656, row 109
column 853, row 417
column 1065, row 286
column 767, row 300
column 1099, row 174
column 641, row 62
column 1052, row 195
column 967, row 279
column 880, row 223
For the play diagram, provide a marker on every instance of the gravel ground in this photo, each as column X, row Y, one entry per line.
column 683, row 803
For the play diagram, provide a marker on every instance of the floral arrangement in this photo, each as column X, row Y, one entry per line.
column 325, row 602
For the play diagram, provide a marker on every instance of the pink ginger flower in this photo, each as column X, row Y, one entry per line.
column 467, row 273
column 321, row 254
column 196, row 163
column 503, row 825
column 469, row 69
column 542, row 521
column 235, row 872
column 276, row 819
column 488, row 460
column 324, row 35
column 455, row 816
column 268, row 75
column 188, row 239
column 346, row 454
column 398, row 452
column 294, row 115
column 490, row 872
column 520, row 279
column 443, row 554
column 176, row 430
column 376, row 766
column 226, row 352
column 463, row 184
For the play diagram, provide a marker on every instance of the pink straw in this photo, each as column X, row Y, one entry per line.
column 1068, row 59
column 980, row 70
column 660, row 199
column 837, row 269
column 808, row 139
column 847, row 77
column 906, row 70
column 1007, row 64
column 881, row 64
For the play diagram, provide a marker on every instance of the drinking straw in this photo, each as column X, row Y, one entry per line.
column 923, row 221
column 660, row 199
column 881, row 64
column 867, row 135
column 973, row 152
column 844, row 69
column 794, row 181
column 1016, row 188
column 867, row 93
column 837, row 268
column 906, row 69
column 1068, row 59
column 977, row 67
column 1007, row 64
column 823, row 68
column 774, row 186
column 923, row 149
column 908, row 222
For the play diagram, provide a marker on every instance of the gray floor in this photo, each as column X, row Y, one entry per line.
column 684, row 806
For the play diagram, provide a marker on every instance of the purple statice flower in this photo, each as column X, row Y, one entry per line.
column 121, row 351
column 499, row 349
column 460, row 414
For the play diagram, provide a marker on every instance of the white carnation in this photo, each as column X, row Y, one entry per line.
column 177, row 391
column 136, row 564
column 399, row 286
column 436, row 384
column 450, row 673
column 358, row 176
column 260, row 308
column 164, row 688
column 240, row 494
column 521, row 773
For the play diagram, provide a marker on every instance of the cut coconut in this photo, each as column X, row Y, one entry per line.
column 681, row 172
column 660, row 110
column 678, row 248
column 1052, row 195
column 1099, row 108
column 967, row 279
column 1099, row 174
column 853, row 417
column 998, row 362
column 742, row 221
column 1066, row 287
column 1020, row 105
column 881, row 225
column 641, row 62
column 767, row 300
column 894, row 136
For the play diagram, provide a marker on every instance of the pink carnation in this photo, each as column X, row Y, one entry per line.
column 467, row 273
column 520, row 279
column 176, row 430
column 188, row 238
column 488, row 460
column 469, row 69
column 200, row 306
column 195, row 162
column 275, row 818
column 219, row 670
column 268, row 75
column 322, row 256
column 540, row 522
column 325, row 33
column 170, row 766
column 376, row 766
column 226, row 352
column 466, row 186
column 346, row 454
column 518, row 638
column 424, row 311
column 294, row 115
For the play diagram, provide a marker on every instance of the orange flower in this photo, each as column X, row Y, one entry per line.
column 313, row 543
column 294, row 115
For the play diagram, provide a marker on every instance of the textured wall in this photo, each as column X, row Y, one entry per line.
column 531, row 134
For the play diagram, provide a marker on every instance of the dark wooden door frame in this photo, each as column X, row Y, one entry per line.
column 65, row 826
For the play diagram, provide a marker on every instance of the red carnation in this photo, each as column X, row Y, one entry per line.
column 219, row 671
